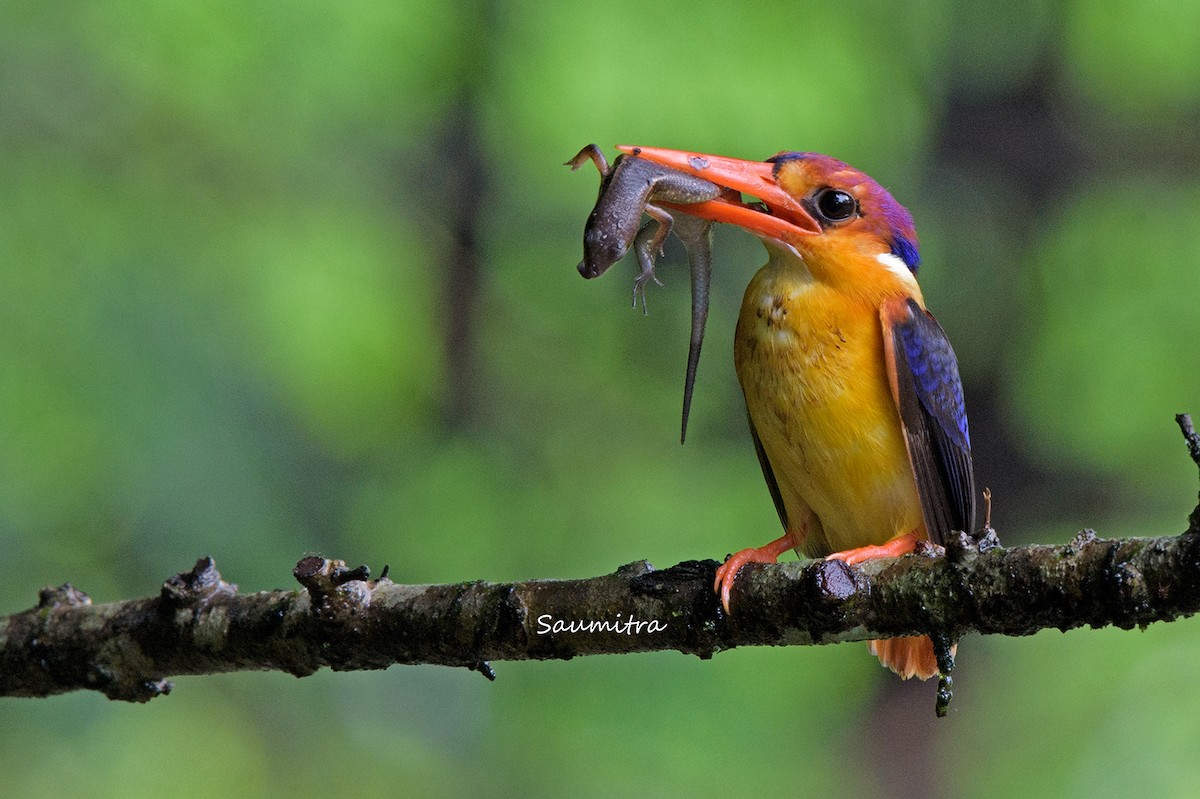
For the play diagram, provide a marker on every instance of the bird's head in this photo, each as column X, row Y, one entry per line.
column 847, row 229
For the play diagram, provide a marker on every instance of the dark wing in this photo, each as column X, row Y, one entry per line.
column 928, row 393
column 768, row 474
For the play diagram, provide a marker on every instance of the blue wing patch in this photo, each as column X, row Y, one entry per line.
column 935, row 374
column 928, row 395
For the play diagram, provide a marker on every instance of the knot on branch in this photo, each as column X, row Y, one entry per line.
column 989, row 541
column 1084, row 537
column 66, row 595
column 836, row 581
column 195, row 586
column 632, row 571
column 964, row 545
column 328, row 581
column 130, row 690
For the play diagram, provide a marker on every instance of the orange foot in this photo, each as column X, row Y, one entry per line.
column 727, row 571
column 908, row 657
column 900, row 545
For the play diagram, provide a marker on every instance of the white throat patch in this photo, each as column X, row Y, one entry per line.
column 895, row 264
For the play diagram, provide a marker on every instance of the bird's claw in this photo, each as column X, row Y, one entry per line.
column 727, row 572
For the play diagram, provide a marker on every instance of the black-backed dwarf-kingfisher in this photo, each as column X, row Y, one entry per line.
column 852, row 388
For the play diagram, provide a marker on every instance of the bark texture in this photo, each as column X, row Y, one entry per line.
column 341, row 619
column 200, row 624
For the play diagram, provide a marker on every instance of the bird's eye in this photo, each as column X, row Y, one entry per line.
column 835, row 205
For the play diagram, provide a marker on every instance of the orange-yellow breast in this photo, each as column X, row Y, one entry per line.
column 810, row 359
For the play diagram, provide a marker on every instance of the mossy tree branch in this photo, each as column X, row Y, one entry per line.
column 339, row 618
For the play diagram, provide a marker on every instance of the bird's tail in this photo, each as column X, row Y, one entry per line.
column 908, row 657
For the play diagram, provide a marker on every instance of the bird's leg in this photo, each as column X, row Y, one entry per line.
column 900, row 545
column 910, row 656
column 727, row 571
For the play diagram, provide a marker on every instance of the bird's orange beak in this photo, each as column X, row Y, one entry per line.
column 778, row 216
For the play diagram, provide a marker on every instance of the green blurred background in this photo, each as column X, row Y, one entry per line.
column 281, row 278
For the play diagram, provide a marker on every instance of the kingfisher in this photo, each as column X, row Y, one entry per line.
column 851, row 386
